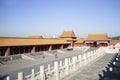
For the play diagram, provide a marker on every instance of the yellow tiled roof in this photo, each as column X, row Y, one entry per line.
column 35, row 37
column 29, row 41
column 80, row 41
column 97, row 37
column 68, row 34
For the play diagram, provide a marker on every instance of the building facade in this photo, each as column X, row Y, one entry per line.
column 32, row 44
column 97, row 40
column 11, row 46
column 69, row 36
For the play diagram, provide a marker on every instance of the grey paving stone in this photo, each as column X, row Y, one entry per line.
column 92, row 71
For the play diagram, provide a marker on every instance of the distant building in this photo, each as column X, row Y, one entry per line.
column 80, row 42
column 95, row 40
column 35, row 37
column 31, row 44
column 69, row 36
column 11, row 46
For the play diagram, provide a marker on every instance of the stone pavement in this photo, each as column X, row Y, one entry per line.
column 93, row 70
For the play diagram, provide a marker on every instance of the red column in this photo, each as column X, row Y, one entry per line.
column 45, row 48
column 40, row 49
column 93, row 45
column 72, row 44
column 7, row 52
column 61, row 47
column 33, row 49
column 106, row 44
column 88, row 44
column 50, row 47
column 23, row 50
column 28, row 50
column 19, row 50
column 0, row 53
column 69, row 45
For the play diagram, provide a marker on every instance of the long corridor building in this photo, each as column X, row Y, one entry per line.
column 15, row 45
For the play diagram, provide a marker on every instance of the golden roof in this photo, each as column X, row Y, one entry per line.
column 35, row 37
column 30, row 41
column 68, row 34
column 80, row 41
column 97, row 37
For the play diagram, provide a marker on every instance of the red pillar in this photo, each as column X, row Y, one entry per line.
column 0, row 52
column 45, row 48
column 107, row 44
column 92, row 44
column 19, row 50
column 50, row 47
column 40, row 49
column 72, row 44
column 23, row 50
column 88, row 44
column 61, row 47
column 28, row 50
column 7, row 52
column 33, row 49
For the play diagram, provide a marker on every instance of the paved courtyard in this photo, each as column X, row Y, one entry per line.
column 93, row 70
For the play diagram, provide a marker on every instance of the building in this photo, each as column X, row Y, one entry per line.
column 69, row 36
column 96, row 40
column 80, row 42
column 11, row 46
column 35, row 36
column 31, row 44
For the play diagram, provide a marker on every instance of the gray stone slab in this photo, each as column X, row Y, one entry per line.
column 91, row 71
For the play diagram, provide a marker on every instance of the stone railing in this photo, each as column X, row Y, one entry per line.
column 62, row 68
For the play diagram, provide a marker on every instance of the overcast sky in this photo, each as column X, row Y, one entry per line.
column 22, row 18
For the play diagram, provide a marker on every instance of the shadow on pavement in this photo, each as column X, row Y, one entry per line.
column 3, row 77
column 112, row 71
